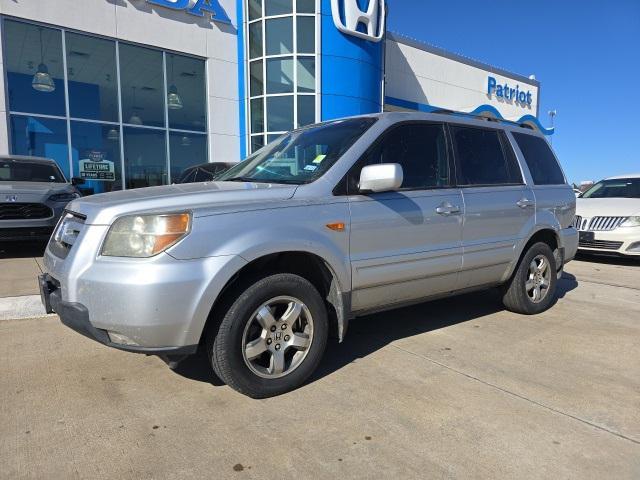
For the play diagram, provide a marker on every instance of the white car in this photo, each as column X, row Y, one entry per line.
column 608, row 217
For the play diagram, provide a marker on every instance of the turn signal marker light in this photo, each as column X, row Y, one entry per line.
column 337, row 227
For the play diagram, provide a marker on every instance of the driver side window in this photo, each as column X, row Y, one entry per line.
column 421, row 150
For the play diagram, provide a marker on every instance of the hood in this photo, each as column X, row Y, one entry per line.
column 607, row 207
column 31, row 192
column 201, row 198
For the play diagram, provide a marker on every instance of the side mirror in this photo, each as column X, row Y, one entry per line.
column 383, row 177
column 77, row 181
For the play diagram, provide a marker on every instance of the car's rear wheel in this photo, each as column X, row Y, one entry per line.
column 532, row 288
column 271, row 338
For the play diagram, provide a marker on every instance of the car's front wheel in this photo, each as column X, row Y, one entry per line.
column 271, row 338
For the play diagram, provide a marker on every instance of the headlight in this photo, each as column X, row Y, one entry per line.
column 631, row 222
column 144, row 236
column 64, row 197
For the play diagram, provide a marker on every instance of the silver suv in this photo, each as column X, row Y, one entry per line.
column 326, row 223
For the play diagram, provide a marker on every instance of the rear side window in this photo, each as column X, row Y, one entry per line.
column 481, row 158
column 421, row 150
column 542, row 164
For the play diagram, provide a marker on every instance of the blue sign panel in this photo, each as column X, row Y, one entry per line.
column 199, row 8
column 507, row 92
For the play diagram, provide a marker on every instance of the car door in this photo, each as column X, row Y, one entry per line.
column 406, row 244
column 499, row 206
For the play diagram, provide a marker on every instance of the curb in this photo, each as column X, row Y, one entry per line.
column 25, row 306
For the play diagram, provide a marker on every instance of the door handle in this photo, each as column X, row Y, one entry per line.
column 447, row 209
column 525, row 202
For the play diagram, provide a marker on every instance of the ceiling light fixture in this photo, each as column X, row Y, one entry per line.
column 42, row 81
column 174, row 102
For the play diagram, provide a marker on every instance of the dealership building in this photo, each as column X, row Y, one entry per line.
column 129, row 93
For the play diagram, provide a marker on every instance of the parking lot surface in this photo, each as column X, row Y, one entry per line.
column 457, row 388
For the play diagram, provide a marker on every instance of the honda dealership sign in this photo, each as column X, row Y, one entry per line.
column 199, row 8
column 347, row 16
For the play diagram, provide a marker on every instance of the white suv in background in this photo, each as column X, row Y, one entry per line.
column 608, row 217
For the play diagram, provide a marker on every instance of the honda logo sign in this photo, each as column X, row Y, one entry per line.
column 373, row 19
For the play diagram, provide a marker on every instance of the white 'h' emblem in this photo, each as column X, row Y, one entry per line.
column 373, row 18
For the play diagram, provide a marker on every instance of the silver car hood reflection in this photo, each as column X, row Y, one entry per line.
column 202, row 199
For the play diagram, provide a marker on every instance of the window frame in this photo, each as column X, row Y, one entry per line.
column 342, row 187
column 501, row 139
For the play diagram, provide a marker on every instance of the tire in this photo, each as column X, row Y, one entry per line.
column 247, row 327
column 519, row 296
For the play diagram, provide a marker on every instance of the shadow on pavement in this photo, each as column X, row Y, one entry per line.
column 373, row 332
column 22, row 249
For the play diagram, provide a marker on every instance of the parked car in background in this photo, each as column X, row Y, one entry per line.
column 33, row 195
column 205, row 172
column 326, row 223
column 608, row 217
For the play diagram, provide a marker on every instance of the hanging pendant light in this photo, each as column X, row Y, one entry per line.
column 174, row 102
column 185, row 141
column 134, row 119
column 113, row 134
column 42, row 81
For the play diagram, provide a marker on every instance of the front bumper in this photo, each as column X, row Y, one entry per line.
column 76, row 317
column 624, row 241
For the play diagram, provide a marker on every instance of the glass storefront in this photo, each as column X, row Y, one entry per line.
column 282, row 56
column 117, row 114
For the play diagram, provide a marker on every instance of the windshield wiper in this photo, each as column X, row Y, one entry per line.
column 261, row 180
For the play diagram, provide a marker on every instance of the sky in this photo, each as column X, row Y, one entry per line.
column 585, row 54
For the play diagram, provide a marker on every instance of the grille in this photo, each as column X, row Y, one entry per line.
column 577, row 222
column 600, row 244
column 602, row 224
column 24, row 211
column 36, row 233
column 66, row 234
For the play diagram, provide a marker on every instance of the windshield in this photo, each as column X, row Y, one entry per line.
column 300, row 156
column 615, row 188
column 13, row 171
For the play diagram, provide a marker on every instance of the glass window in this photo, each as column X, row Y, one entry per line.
column 306, row 74
column 93, row 79
column 280, row 113
column 278, row 7
column 186, row 96
column 615, row 188
column 95, row 152
column 279, row 36
column 34, row 68
column 26, row 171
column 41, row 137
column 280, row 75
column 257, row 115
column 186, row 150
column 300, row 156
column 141, row 75
column 256, row 81
column 421, row 150
column 542, row 164
column 145, row 157
column 306, row 110
column 255, row 40
column 257, row 142
column 306, row 33
column 480, row 158
column 306, row 6
column 255, row 9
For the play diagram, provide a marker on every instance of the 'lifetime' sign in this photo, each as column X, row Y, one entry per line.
column 199, row 8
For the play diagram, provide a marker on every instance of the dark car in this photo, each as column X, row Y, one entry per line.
column 205, row 172
column 33, row 195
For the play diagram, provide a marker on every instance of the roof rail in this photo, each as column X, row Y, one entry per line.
column 446, row 111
